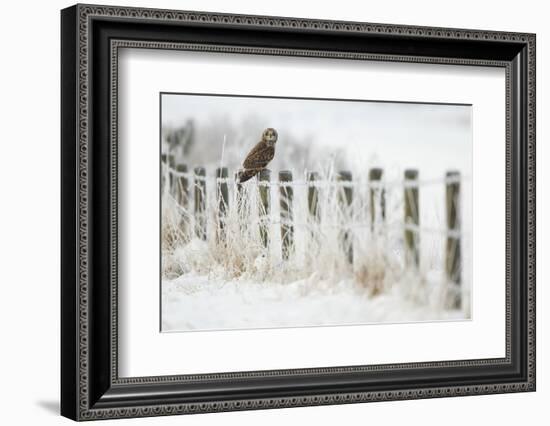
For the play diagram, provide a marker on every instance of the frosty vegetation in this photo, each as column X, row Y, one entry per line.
column 347, row 262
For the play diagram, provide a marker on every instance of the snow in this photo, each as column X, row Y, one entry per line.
column 199, row 302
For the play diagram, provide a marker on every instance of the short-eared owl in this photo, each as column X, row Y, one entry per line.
column 260, row 156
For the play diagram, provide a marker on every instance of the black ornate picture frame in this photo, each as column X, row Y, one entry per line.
column 90, row 38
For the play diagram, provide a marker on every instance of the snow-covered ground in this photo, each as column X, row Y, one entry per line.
column 193, row 302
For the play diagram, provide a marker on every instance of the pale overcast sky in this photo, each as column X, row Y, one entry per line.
column 431, row 137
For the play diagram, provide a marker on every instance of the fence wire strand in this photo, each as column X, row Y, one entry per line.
column 276, row 220
column 381, row 184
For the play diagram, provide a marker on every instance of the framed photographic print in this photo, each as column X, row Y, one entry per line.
column 263, row 212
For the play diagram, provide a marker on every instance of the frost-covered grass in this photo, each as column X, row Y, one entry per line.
column 230, row 280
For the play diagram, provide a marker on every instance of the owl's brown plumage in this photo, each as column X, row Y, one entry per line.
column 260, row 156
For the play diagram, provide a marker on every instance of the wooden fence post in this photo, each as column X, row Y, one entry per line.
column 453, row 261
column 182, row 186
column 313, row 196
column 265, row 207
column 171, row 166
column 222, row 195
column 163, row 167
column 200, row 202
column 375, row 176
column 182, row 197
column 345, row 197
column 287, row 229
column 412, row 218
column 238, row 185
column 239, row 201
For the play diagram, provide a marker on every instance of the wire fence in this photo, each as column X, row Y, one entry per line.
column 320, row 184
column 326, row 201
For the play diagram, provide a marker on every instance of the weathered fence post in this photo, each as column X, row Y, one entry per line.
column 171, row 167
column 222, row 195
column 453, row 261
column 345, row 196
column 200, row 202
column 265, row 207
column 182, row 186
column 239, row 201
column 238, row 185
column 182, row 196
column 376, row 193
column 163, row 170
column 412, row 218
column 287, row 228
column 313, row 196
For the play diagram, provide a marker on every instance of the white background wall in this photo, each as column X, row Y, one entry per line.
column 29, row 212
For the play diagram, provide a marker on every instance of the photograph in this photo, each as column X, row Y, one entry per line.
column 299, row 212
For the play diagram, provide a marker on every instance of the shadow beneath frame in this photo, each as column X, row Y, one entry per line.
column 50, row 406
